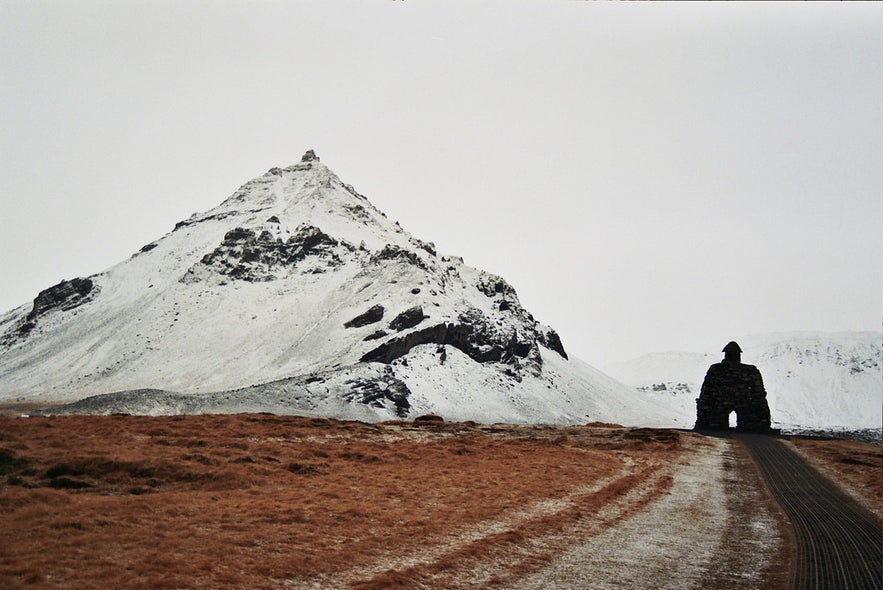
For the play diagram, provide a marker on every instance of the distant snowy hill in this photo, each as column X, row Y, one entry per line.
column 297, row 295
column 813, row 380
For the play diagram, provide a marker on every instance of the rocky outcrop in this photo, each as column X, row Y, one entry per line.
column 476, row 335
column 457, row 335
column 376, row 335
column 358, row 212
column 377, row 392
column 462, row 336
column 427, row 246
column 492, row 285
column 393, row 252
column 64, row 296
column 373, row 315
column 551, row 340
column 246, row 255
column 408, row 319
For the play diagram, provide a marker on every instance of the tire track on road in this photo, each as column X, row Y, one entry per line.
column 838, row 543
column 713, row 529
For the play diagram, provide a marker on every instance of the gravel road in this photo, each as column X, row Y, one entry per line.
column 716, row 528
column 838, row 542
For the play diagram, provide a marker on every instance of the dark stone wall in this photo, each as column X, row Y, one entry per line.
column 733, row 387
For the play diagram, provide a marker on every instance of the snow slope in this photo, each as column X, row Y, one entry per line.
column 813, row 380
column 296, row 294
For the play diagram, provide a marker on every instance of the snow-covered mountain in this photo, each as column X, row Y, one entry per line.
column 813, row 380
column 295, row 294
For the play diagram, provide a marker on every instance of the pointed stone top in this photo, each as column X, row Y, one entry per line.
column 310, row 156
column 731, row 347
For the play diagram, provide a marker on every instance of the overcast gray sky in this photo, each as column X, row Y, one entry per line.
column 648, row 176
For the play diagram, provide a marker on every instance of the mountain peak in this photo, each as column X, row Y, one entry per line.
column 297, row 295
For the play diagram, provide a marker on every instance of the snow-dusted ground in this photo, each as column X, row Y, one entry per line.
column 714, row 528
column 459, row 389
column 477, row 392
column 813, row 380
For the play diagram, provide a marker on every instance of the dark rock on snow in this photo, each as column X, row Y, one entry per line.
column 376, row 392
column 408, row 319
column 245, row 255
column 550, row 339
column 393, row 252
column 464, row 337
column 373, row 315
column 65, row 295
column 375, row 335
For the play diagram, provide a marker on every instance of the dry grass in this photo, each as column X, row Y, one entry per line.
column 856, row 467
column 263, row 501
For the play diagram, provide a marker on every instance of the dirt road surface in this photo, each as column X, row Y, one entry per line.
column 716, row 528
column 838, row 542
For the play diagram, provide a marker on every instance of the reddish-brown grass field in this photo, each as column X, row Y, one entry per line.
column 856, row 467
column 262, row 501
column 258, row 500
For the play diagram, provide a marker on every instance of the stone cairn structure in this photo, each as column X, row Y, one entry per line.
column 731, row 386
